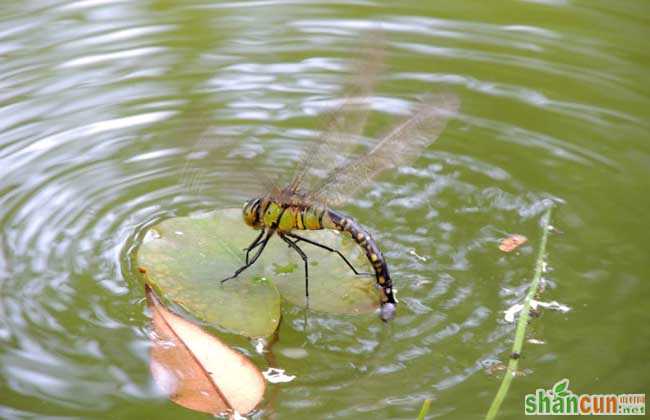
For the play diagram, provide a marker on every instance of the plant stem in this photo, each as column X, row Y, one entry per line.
column 522, row 322
column 425, row 409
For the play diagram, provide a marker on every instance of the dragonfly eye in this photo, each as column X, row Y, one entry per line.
column 250, row 212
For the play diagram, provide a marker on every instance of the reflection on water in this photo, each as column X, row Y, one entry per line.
column 114, row 115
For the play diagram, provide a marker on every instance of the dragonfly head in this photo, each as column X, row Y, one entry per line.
column 252, row 215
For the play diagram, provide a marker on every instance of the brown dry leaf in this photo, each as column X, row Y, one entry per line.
column 196, row 369
column 512, row 242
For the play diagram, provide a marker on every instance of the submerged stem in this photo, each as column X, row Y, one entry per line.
column 522, row 322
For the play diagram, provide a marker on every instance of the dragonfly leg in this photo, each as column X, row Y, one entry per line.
column 309, row 241
column 300, row 252
column 263, row 243
column 254, row 245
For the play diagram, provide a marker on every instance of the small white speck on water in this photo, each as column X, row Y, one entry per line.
column 553, row 305
column 419, row 257
column 260, row 345
column 179, row 233
column 277, row 376
column 510, row 313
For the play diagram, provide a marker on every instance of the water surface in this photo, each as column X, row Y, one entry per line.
column 103, row 106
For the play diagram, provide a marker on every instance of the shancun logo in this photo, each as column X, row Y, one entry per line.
column 560, row 401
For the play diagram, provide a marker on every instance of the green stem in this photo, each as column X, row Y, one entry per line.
column 424, row 410
column 522, row 322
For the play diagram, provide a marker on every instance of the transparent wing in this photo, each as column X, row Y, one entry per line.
column 217, row 165
column 399, row 147
column 341, row 125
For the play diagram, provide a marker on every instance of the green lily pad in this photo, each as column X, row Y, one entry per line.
column 185, row 258
column 333, row 286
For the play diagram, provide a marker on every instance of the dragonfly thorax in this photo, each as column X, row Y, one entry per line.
column 285, row 215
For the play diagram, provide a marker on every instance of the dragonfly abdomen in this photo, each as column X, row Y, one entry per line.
column 285, row 218
column 335, row 220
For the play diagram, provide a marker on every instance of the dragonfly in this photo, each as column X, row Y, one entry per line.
column 326, row 178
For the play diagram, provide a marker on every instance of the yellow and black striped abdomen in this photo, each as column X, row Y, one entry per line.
column 335, row 220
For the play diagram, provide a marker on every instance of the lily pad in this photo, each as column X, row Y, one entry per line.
column 333, row 286
column 185, row 258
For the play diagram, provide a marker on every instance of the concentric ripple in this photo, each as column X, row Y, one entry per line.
column 115, row 115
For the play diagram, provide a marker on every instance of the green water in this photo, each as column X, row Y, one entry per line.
column 102, row 108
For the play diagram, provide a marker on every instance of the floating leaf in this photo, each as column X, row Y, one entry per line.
column 196, row 369
column 186, row 258
column 512, row 242
column 333, row 286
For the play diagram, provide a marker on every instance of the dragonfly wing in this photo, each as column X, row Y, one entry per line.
column 400, row 146
column 341, row 125
column 214, row 166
